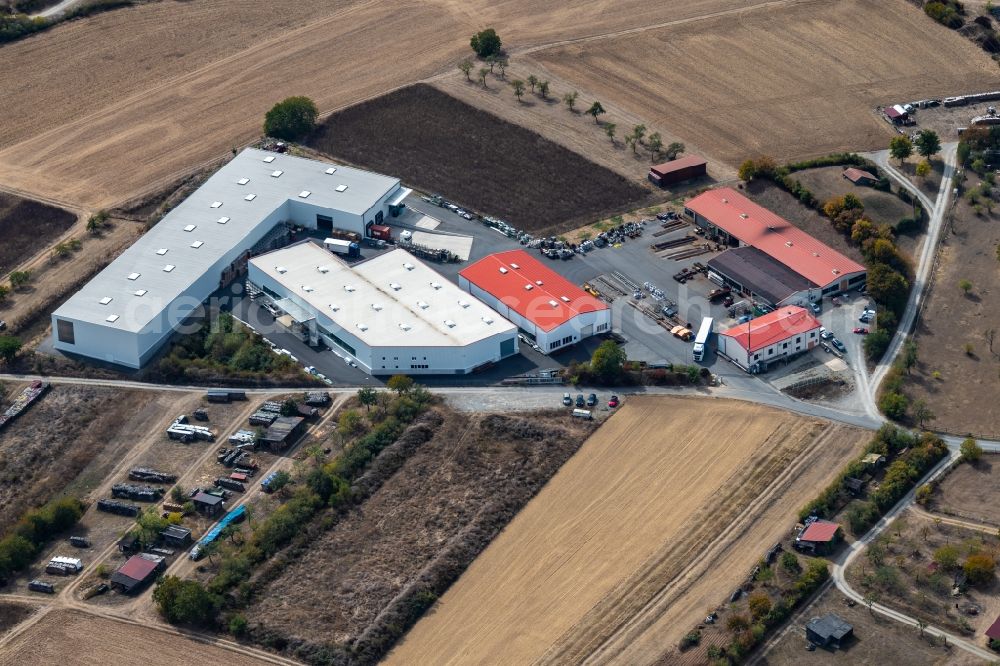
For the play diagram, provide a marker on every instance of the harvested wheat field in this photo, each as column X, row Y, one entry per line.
column 789, row 79
column 63, row 637
column 134, row 98
column 658, row 516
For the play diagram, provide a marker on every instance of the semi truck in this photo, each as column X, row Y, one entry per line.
column 347, row 248
column 701, row 340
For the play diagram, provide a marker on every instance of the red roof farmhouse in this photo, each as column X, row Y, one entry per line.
column 769, row 338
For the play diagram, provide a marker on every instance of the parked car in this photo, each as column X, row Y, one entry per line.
column 866, row 318
column 3, row 325
column 467, row 216
column 838, row 344
column 591, row 400
column 744, row 319
column 460, row 212
column 567, row 400
column 580, row 402
column 613, row 402
column 861, row 331
column 815, row 307
column 824, row 333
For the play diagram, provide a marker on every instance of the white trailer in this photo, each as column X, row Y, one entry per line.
column 701, row 340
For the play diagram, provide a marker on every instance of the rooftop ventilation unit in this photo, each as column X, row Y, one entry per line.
column 133, row 276
column 554, row 304
column 306, row 288
column 463, row 304
column 277, row 174
column 487, row 319
column 422, row 305
column 376, row 307
column 111, row 319
column 363, row 327
column 405, row 327
column 168, row 268
column 162, row 251
column 269, row 159
column 190, row 227
column 333, row 306
column 529, row 287
column 243, row 181
column 197, row 244
column 564, row 299
column 408, row 266
column 222, row 220
column 503, row 270
column 744, row 215
column 449, row 323
column 836, row 271
column 348, row 287
column 216, row 204
column 140, row 292
column 341, row 188
column 304, row 194
column 105, row 300
column 435, row 285
column 250, row 197
column 538, row 282
column 394, row 286
column 788, row 243
column 331, row 171
column 323, row 269
column 514, row 266
column 281, row 269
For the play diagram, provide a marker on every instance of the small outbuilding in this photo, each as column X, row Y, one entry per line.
column 283, row 432
column 678, row 171
column 208, row 505
column 993, row 632
column 859, row 176
column 828, row 631
column 177, row 536
column 819, row 537
column 128, row 543
column 137, row 572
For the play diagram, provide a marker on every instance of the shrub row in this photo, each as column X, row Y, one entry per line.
column 25, row 541
column 921, row 454
column 18, row 25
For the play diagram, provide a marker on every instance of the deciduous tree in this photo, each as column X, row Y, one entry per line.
column 655, row 145
column 466, row 67
column 400, row 384
column 971, row 451
column 19, row 278
column 368, row 397
column 543, row 89
column 532, row 81
column 518, row 86
column 9, row 347
column 608, row 361
column 486, row 43
column 900, row 147
column 928, row 143
column 596, row 109
column 609, row 129
column 570, row 99
column 923, row 169
column 291, row 119
column 483, row 71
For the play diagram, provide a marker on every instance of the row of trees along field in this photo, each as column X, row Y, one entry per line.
column 489, row 51
column 318, row 490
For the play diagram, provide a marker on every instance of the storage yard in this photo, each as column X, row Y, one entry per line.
column 97, row 641
column 419, row 529
column 526, row 187
column 622, row 522
column 789, row 80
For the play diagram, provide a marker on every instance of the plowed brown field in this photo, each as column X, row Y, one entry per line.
column 786, row 79
column 70, row 637
column 658, row 517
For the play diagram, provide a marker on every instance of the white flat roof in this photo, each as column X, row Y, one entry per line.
column 397, row 299
column 216, row 218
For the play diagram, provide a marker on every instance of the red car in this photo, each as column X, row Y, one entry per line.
column 861, row 331
column 613, row 402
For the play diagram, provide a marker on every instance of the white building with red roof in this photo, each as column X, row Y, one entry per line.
column 536, row 299
column 738, row 221
column 775, row 336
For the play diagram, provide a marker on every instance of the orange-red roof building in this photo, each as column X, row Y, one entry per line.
column 534, row 297
column 738, row 221
column 772, row 337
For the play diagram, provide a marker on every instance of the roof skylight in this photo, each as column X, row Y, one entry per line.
column 269, row 159
column 133, row 276
column 250, row 197
column 105, row 300
column 197, row 244
column 191, row 227
column 331, row 171
column 341, row 188
column 168, row 268
column 243, row 181
column 111, row 319
column 222, row 220
column 216, row 204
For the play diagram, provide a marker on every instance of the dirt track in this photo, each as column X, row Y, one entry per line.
column 790, row 80
column 614, row 550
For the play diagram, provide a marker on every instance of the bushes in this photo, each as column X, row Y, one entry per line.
column 186, row 602
column 893, row 405
column 861, row 516
column 291, row 119
column 944, row 13
column 978, row 568
column 875, row 344
column 23, row 543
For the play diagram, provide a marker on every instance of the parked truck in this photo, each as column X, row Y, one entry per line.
column 701, row 340
column 349, row 249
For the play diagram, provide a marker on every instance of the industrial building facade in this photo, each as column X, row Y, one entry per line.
column 538, row 300
column 775, row 336
column 753, row 273
column 131, row 308
column 737, row 221
column 390, row 314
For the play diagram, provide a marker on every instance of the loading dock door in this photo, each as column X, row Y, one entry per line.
column 324, row 223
